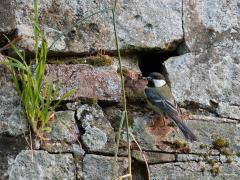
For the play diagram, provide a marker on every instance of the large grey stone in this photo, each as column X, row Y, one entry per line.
column 100, row 167
column 192, row 170
column 12, row 119
column 206, row 22
column 152, row 135
column 140, row 24
column 31, row 164
column 99, row 134
column 211, row 76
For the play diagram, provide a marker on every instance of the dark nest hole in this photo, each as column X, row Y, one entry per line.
column 151, row 61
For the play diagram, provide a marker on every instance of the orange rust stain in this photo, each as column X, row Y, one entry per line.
column 160, row 130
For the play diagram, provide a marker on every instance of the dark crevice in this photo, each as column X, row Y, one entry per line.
column 152, row 61
column 107, row 154
column 139, row 171
column 4, row 45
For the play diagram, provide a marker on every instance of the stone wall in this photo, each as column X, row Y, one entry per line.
column 194, row 43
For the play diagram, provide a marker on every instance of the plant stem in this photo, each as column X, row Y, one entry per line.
column 123, row 89
column 36, row 30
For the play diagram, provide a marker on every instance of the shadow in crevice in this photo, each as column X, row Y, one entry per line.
column 151, row 61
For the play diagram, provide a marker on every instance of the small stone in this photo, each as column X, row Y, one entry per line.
column 100, row 167
column 31, row 164
column 64, row 133
column 94, row 138
column 17, row 122
column 63, row 127
column 98, row 133
column 153, row 157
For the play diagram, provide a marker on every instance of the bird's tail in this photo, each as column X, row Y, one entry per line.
column 185, row 130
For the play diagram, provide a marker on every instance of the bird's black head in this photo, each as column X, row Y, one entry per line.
column 156, row 79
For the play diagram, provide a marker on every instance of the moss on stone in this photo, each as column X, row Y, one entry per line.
column 203, row 146
column 238, row 153
column 98, row 60
column 229, row 160
column 181, row 146
column 211, row 162
column 215, row 170
column 177, row 144
column 220, row 143
column 227, row 152
column 205, row 155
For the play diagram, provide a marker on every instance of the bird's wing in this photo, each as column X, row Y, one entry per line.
column 162, row 103
column 170, row 110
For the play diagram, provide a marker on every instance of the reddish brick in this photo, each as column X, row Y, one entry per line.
column 102, row 83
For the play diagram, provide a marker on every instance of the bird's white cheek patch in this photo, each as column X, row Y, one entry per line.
column 159, row 83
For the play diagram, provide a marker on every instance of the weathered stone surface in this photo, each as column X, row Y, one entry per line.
column 9, row 148
column 98, row 132
column 206, row 22
column 12, row 119
column 64, row 133
column 194, row 157
column 100, row 167
column 153, row 157
column 100, row 83
column 63, row 127
column 211, row 71
column 206, row 77
column 42, row 165
column 159, row 28
column 192, row 170
column 152, row 135
column 228, row 111
column 208, row 131
column 134, row 87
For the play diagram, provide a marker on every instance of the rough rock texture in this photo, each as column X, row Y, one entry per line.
column 192, row 170
column 98, row 133
column 64, row 127
column 100, row 167
column 153, row 157
column 160, row 28
column 64, row 133
column 211, row 71
column 203, row 72
column 209, row 22
column 228, row 111
column 153, row 135
column 93, row 83
column 42, row 165
column 207, row 77
column 12, row 119
column 9, row 148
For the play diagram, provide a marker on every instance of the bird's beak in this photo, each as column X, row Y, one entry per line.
column 149, row 78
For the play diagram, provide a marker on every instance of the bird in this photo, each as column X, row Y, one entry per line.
column 160, row 99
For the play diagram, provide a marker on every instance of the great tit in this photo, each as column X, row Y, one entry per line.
column 161, row 100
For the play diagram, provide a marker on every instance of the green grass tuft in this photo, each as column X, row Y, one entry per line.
column 36, row 97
